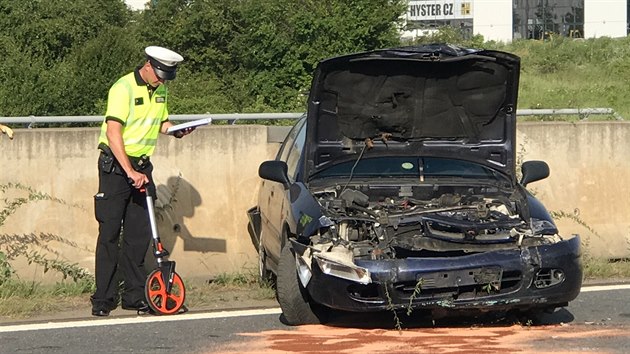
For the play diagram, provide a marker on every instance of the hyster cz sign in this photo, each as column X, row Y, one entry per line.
column 422, row 10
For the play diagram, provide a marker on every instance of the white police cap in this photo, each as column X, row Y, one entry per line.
column 164, row 61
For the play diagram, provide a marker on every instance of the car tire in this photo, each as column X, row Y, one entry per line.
column 292, row 296
column 264, row 274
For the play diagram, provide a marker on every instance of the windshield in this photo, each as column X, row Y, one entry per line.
column 413, row 167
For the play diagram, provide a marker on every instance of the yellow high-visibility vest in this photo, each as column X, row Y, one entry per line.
column 141, row 115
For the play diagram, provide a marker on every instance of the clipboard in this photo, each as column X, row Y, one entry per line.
column 194, row 123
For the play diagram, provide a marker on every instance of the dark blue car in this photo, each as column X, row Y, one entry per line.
column 398, row 190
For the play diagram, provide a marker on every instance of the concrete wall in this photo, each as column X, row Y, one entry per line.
column 205, row 182
column 589, row 180
column 208, row 180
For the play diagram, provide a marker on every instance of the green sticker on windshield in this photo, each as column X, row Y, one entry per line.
column 407, row 165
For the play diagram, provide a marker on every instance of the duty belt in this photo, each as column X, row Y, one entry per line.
column 138, row 163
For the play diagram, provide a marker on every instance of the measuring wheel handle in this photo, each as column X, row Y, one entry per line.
column 164, row 288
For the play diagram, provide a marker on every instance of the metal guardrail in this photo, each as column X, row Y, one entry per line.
column 174, row 117
column 585, row 112
column 233, row 117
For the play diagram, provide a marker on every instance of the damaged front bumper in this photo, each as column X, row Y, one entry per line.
column 544, row 276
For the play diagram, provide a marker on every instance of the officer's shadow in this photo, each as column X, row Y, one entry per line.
column 176, row 200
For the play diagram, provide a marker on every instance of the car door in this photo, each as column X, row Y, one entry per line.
column 272, row 200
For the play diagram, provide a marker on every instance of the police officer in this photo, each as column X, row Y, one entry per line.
column 136, row 114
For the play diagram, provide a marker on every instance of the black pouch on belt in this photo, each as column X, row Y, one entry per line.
column 140, row 163
column 106, row 158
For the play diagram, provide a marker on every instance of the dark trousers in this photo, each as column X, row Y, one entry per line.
column 119, row 205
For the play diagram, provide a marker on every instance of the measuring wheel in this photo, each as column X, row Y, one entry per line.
column 162, row 301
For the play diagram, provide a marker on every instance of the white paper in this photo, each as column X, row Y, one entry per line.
column 194, row 123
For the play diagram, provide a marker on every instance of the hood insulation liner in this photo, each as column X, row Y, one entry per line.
column 442, row 100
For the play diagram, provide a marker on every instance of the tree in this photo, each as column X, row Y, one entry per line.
column 240, row 56
column 38, row 38
column 287, row 38
column 51, row 29
column 261, row 53
column 202, row 31
column 95, row 66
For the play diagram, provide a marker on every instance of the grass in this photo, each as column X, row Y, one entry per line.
column 227, row 288
column 563, row 72
column 595, row 268
column 21, row 299
column 568, row 73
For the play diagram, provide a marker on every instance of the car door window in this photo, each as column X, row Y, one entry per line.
column 289, row 140
column 295, row 152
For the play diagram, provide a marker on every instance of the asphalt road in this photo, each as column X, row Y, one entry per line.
column 598, row 321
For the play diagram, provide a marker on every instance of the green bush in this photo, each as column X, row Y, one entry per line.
column 35, row 247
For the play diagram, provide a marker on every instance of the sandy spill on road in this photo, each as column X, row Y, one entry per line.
column 510, row 339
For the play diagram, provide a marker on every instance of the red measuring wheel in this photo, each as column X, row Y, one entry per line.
column 160, row 300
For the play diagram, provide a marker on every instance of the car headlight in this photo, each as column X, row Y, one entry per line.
column 344, row 271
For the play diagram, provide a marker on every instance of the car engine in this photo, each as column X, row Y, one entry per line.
column 387, row 222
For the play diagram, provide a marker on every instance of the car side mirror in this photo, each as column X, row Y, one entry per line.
column 276, row 171
column 534, row 171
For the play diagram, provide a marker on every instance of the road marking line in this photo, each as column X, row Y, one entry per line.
column 587, row 289
column 138, row 319
column 197, row 316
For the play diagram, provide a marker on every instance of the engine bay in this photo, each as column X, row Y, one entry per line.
column 399, row 221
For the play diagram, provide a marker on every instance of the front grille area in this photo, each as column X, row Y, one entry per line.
column 509, row 282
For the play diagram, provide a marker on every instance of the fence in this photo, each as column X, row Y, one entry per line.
column 231, row 118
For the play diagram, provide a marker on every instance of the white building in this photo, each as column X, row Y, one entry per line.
column 136, row 4
column 505, row 20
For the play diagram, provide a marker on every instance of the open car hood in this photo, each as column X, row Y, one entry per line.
column 433, row 100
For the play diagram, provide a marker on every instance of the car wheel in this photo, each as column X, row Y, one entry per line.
column 292, row 297
column 264, row 274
